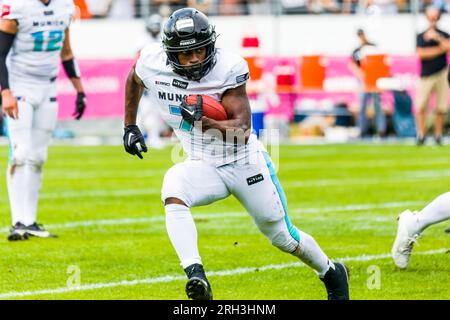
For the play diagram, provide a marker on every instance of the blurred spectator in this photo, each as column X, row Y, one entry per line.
column 374, row 7
column 166, row 7
column 324, row 6
column 201, row 5
column 122, row 9
column 259, row 6
column 366, row 47
column 348, row 6
column 233, row 7
column 432, row 47
column 296, row 6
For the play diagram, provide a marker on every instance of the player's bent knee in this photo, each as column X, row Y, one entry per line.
column 19, row 156
column 284, row 241
column 37, row 159
column 173, row 190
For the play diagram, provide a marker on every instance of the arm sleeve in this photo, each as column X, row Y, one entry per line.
column 6, row 42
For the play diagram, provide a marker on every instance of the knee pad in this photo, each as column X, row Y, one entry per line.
column 278, row 234
column 37, row 158
column 19, row 155
column 284, row 241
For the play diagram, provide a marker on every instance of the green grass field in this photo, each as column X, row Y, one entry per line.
column 105, row 206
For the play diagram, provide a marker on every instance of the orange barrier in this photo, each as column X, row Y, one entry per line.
column 250, row 51
column 84, row 12
column 374, row 66
column 312, row 72
column 255, row 66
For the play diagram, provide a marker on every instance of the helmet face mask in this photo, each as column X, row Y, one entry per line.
column 188, row 29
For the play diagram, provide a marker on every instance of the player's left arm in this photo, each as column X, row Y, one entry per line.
column 238, row 126
column 73, row 73
column 444, row 42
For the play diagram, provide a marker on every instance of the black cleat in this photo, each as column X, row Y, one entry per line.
column 37, row 230
column 438, row 141
column 420, row 141
column 197, row 287
column 17, row 232
column 336, row 282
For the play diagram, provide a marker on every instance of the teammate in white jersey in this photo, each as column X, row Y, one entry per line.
column 226, row 160
column 412, row 224
column 148, row 117
column 35, row 34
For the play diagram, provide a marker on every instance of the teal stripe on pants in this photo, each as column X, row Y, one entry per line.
column 292, row 230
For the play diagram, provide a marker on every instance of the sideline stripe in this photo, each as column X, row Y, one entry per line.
column 172, row 278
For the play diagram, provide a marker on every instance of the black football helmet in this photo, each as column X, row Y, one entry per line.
column 189, row 29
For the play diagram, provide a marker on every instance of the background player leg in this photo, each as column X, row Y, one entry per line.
column 19, row 132
column 43, row 125
column 412, row 224
column 188, row 184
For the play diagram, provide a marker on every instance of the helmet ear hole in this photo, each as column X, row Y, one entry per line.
column 189, row 29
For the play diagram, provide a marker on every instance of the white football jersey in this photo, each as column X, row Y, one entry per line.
column 41, row 31
column 169, row 89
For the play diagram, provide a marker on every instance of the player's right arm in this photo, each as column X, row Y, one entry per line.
column 134, row 89
column 8, row 31
column 133, row 140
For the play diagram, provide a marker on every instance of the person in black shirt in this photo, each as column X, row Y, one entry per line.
column 432, row 47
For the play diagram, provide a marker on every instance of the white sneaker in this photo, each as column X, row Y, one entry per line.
column 406, row 237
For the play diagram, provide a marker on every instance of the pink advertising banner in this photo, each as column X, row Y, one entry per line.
column 104, row 83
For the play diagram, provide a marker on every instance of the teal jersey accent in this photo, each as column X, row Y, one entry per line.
column 292, row 229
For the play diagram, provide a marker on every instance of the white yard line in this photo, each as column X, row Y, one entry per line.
column 218, row 215
column 99, row 193
column 172, row 278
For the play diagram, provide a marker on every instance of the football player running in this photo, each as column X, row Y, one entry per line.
column 412, row 224
column 224, row 157
column 35, row 34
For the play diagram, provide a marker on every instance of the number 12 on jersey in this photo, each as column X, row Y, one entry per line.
column 52, row 38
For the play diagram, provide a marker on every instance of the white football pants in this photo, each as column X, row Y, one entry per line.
column 29, row 136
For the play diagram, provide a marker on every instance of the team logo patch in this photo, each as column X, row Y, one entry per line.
column 162, row 83
column 255, row 179
column 180, row 84
column 6, row 10
column 49, row 13
column 184, row 24
column 187, row 42
column 242, row 78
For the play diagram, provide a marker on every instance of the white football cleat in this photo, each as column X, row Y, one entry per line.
column 406, row 237
column 37, row 230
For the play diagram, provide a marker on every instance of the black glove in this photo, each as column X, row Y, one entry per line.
column 133, row 141
column 80, row 105
column 192, row 112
